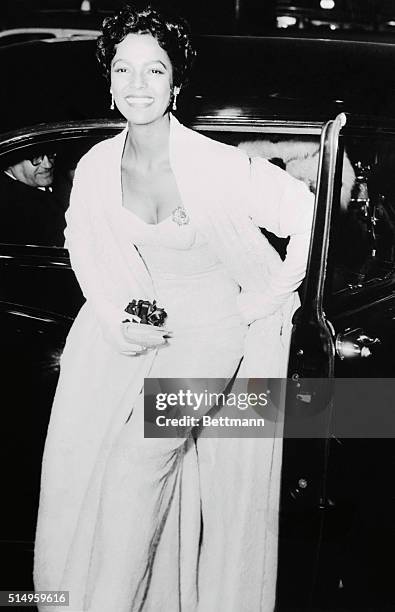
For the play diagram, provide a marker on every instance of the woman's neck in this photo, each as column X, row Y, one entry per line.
column 147, row 146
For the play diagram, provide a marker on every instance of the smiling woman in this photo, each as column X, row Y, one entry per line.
column 159, row 212
column 141, row 78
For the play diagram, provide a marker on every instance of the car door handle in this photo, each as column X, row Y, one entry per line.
column 354, row 343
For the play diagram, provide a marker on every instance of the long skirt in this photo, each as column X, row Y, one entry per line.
column 128, row 523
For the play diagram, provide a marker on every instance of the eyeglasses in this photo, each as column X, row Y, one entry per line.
column 38, row 159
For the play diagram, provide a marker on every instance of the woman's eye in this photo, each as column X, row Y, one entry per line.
column 120, row 69
column 157, row 71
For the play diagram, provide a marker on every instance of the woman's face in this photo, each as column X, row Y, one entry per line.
column 141, row 79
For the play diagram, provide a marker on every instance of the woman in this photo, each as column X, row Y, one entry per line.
column 160, row 212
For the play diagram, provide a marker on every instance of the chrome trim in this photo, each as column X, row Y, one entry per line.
column 31, row 312
column 58, row 33
column 322, row 215
column 354, row 343
column 26, row 136
column 73, row 38
column 231, row 124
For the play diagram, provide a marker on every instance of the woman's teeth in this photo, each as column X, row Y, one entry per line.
column 139, row 101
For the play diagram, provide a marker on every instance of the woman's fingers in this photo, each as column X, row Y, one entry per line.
column 146, row 340
column 149, row 328
column 144, row 335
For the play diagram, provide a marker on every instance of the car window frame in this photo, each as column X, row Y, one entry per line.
column 43, row 134
column 355, row 295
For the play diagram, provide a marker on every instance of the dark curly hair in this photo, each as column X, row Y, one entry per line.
column 172, row 33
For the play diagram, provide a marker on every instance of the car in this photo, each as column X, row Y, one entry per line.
column 303, row 104
column 20, row 35
column 20, row 24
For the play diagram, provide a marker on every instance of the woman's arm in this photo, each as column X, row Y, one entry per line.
column 130, row 339
column 80, row 243
column 284, row 206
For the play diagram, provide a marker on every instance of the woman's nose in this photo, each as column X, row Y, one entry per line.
column 138, row 80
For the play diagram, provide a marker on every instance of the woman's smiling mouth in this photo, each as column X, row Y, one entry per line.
column 139, row 100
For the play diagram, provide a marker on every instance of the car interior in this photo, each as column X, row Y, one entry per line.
column 362, row 243
column 362, row 238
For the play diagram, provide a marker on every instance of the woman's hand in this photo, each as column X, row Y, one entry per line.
column 139, row 337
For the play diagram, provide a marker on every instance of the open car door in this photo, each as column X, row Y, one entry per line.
column 305, row 461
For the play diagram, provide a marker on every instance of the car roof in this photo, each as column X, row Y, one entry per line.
column 285, row 77
column 29, row 16
column 26, row 34
column 301, row 75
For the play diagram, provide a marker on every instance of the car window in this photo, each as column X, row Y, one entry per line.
column 35, row 185
column 362, row 238
column 34, row 214
column 297, row 153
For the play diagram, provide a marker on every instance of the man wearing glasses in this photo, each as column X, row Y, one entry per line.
column 31, row 212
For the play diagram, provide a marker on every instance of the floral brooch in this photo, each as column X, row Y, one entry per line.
column 180, row 216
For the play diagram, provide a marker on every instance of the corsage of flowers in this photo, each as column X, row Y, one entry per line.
column 144, row 311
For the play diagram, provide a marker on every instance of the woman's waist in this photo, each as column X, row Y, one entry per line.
column 199, row 308
column 214, row 286
column 205, row 324
column 210, row 337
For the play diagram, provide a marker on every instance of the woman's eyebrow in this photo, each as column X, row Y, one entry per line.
column 119, row 59
column 156, row 61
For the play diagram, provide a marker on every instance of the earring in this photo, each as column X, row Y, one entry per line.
column 176, row 91
column 112, row 105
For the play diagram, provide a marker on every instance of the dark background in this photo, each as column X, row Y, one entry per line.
column 232, row 16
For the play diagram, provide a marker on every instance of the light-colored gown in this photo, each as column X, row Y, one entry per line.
column 157, row 540
column 148, row 558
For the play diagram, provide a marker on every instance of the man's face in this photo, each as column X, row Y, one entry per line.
column 40, row 175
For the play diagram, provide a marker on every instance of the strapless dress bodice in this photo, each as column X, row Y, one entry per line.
column 190, row 281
